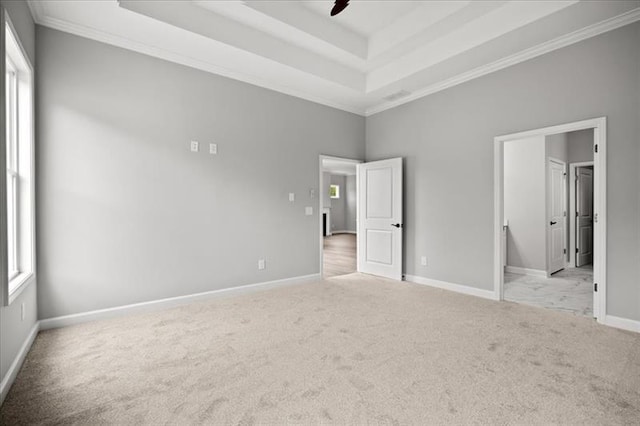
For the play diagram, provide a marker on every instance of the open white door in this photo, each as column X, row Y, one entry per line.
column 556, row 207
column 380, row 218
column 584, row 216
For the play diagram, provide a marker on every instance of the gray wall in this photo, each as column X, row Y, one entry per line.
column 326, row 182
column 557, row 147
column 351, row 199
column 580, row 145
column 447, row 142
column 128, row 214
column 524, row 203
column 14, row 331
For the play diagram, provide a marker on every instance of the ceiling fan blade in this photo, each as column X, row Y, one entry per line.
column 339, row 6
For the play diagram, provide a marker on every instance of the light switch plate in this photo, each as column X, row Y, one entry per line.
column 195, row 146
column 292, row 197
column 261, row 264
column 308, row 211
column 423, row 261
column 213, row 148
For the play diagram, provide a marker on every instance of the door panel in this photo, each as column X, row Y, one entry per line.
column 556, row 216
column 379, row 208
column 380, row 193
column 584, row 216
column 380, row 246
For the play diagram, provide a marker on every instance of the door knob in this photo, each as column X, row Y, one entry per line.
column 553, row 223
column 397, row 225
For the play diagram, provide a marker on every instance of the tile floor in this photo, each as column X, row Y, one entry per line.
column 569, row 290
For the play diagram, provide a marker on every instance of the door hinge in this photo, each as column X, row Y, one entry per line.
column 577, row 250
column 595, row 148
column 576, row 214
column 565, row 213
column 595, row 287
column 564, row 251
column 595, row 218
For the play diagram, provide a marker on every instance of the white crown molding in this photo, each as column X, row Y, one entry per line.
column 39, row 13
column 37, row 10
column 171, row 56
column 533, row 52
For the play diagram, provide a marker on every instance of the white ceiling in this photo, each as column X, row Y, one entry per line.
column 373, row 56
column 366, row 17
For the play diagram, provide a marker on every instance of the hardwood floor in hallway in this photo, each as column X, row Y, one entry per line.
column 339, row 255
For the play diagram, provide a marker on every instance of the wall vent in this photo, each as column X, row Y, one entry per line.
column 397, row 95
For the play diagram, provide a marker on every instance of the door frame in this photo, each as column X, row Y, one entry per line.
column 321, row 201
column 547, row 206
column 572, row 209
column 599, row 202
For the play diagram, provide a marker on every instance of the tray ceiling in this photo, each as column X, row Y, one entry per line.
column 372, row 56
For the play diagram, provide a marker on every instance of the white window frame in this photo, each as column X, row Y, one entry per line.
column 337, row 187
column 17, row 267
column 11, row 124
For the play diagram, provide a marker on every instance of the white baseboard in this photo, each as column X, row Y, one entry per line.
column 622, row 323
column 156, row 305
column 526, row 271
column 12, row 373
column 344, row 232
column 458, row 288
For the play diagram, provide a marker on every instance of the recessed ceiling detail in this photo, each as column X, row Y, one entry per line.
column 359, row 60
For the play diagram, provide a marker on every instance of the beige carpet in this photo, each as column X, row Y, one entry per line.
column 350, row 350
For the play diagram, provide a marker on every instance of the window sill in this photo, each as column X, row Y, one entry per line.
column 18, row 284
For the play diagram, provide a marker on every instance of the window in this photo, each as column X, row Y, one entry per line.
column 11, row 125
column 19, row 166
column 334, row 191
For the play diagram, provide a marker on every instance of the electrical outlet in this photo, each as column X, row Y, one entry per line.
column 292, row 197
column 261, row 264
column 23, row 311
column 195, row 146
column 312, row 193
column 213, row 148
column 423, row 261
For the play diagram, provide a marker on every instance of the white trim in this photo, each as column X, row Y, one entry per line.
column 13, row 370
column 524, row 55
column 26, row 279
column 37, row 10
column 178, row 58
column 599, row 196
column 156, row 305
column 40, row 17
column 526, row 271
column 572, row 210
column 321, row 206
column 621, row 323
column 343, row 232
column 26, row 136
column 458, row 288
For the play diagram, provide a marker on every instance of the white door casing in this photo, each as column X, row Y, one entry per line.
column 599, row 125
column 584, row 216
column 380, row 218
column 556, row 215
